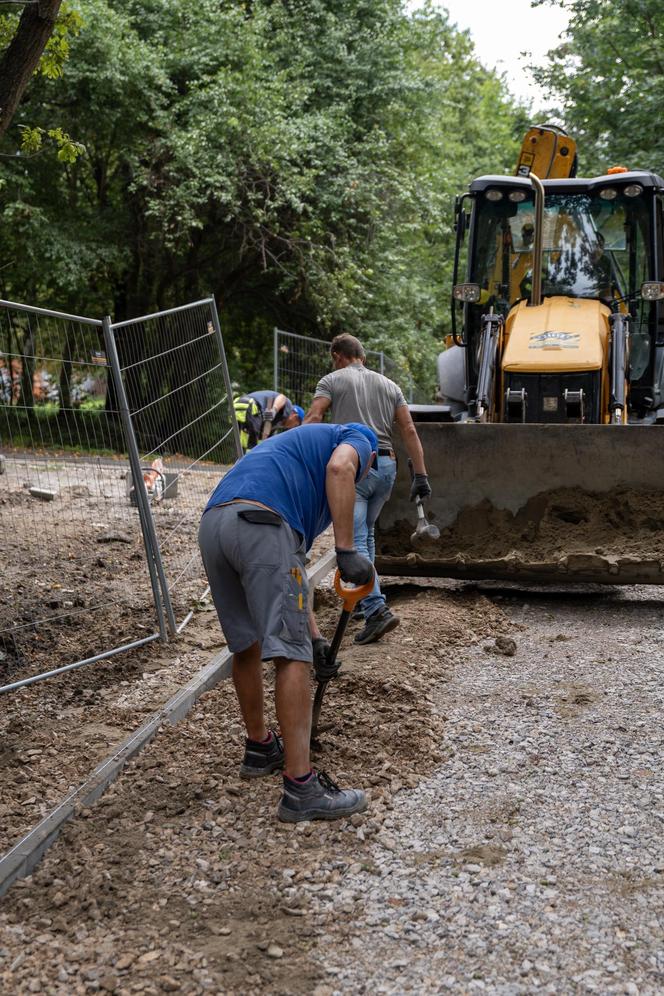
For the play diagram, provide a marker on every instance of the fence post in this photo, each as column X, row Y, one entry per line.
column 275, row 358
column 147, row 525
column 227, row 376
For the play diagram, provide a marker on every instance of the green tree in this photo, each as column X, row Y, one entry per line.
column 608, row 80
column 298, row 158
column 37, row 41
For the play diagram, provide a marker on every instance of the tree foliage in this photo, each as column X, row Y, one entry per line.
column 297, row 158
column 608, row 79
column 34, row 41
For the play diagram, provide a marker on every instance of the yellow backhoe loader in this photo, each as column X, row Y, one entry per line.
column 546, row 447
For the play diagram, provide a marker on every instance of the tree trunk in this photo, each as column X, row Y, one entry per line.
column 20, row 59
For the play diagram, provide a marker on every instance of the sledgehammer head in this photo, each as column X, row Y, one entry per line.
column 424, row 531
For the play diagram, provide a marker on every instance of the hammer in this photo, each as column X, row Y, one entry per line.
column 424, row 530
column 350, row 598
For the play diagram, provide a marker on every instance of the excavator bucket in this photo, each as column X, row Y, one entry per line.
column 549, row 504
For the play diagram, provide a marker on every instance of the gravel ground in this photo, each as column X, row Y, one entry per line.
column 533, row 860
column 512, row 745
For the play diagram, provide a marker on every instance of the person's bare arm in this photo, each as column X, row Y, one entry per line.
column 317, row 410
column 313, row 626
column 410, row 438
column 268, row 420
column 340, row 489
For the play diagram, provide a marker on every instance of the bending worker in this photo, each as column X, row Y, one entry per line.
column 356, row 394
column 260, row 412
column 262, row 517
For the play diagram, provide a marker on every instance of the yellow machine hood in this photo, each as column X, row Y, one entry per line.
column 561, row 334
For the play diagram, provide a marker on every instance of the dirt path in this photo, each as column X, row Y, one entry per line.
column 513, row 845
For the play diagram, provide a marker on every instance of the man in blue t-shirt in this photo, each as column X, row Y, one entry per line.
column 261, row 519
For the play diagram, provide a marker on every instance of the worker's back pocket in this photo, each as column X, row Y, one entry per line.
column 260, row 516
column 259, row 543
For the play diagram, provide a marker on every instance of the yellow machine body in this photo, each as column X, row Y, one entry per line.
column 545, row 452
column 547, row 152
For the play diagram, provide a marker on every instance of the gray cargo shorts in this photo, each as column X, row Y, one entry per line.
column 258, row 581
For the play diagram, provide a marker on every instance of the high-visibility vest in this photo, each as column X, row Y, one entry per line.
column 246, row 410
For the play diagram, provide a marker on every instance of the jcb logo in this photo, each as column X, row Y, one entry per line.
column 563, row 340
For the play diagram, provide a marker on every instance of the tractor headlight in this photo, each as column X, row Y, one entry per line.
column 652, row 290
column 494, row 195
column 468, row 293
column 516, row 196
column 633, row 190
column 608, row 194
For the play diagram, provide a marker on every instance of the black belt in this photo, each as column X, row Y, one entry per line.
column 389, row 453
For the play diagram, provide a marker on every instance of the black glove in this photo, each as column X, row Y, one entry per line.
column 268, row 415
column 353, row 567
column 419, row 487
column 322, row 668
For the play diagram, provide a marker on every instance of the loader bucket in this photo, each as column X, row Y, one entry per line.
column 543, row 503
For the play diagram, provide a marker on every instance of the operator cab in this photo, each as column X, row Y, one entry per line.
column 601, row 241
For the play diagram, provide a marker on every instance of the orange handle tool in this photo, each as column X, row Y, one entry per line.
column 350, row 597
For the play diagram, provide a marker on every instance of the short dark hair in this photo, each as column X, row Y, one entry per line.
column 347, row 345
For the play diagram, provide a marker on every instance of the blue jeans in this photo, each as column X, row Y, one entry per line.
column 370, row 496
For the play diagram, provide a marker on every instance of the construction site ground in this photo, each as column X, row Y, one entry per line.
column 511, row 741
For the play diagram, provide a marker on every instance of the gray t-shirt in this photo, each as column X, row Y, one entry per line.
column 361, row 395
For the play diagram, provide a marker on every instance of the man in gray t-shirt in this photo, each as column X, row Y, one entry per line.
column 356, row 394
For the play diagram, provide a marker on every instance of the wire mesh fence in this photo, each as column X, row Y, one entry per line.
column 78, row 585
column 174, row 386
column 300, row 361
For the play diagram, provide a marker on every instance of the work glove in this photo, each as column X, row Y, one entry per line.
column 323, row 670
column 268, row 415
column 353, row 567
column 420, row 487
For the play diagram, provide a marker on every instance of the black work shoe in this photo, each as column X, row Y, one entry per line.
column 357, row 616
column 262, row 759
column 318, row 799
column 378, row 625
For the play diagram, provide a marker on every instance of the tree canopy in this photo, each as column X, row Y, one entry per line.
column 297, row 158
column 608, row 78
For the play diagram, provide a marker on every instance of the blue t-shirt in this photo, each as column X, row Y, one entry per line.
column 287, row 473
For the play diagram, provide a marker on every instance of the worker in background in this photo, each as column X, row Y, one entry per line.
column 259, row 412
column 262, row 517
column 356, row 394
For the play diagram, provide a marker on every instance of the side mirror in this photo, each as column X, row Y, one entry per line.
column 652, row 290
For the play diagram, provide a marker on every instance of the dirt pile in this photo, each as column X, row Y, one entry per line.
column 609, row 533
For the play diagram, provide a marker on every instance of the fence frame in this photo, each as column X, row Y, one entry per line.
column 134, row 644
column 167, row 623
column 147, row 524
column 174, row 627
column 379, row 354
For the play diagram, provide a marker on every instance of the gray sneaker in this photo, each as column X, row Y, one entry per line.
column 378, row 625
column 318, row 799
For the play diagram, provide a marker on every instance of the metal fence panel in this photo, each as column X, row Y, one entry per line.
column 300, row 361
column 172, row 367
column 77, row 582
